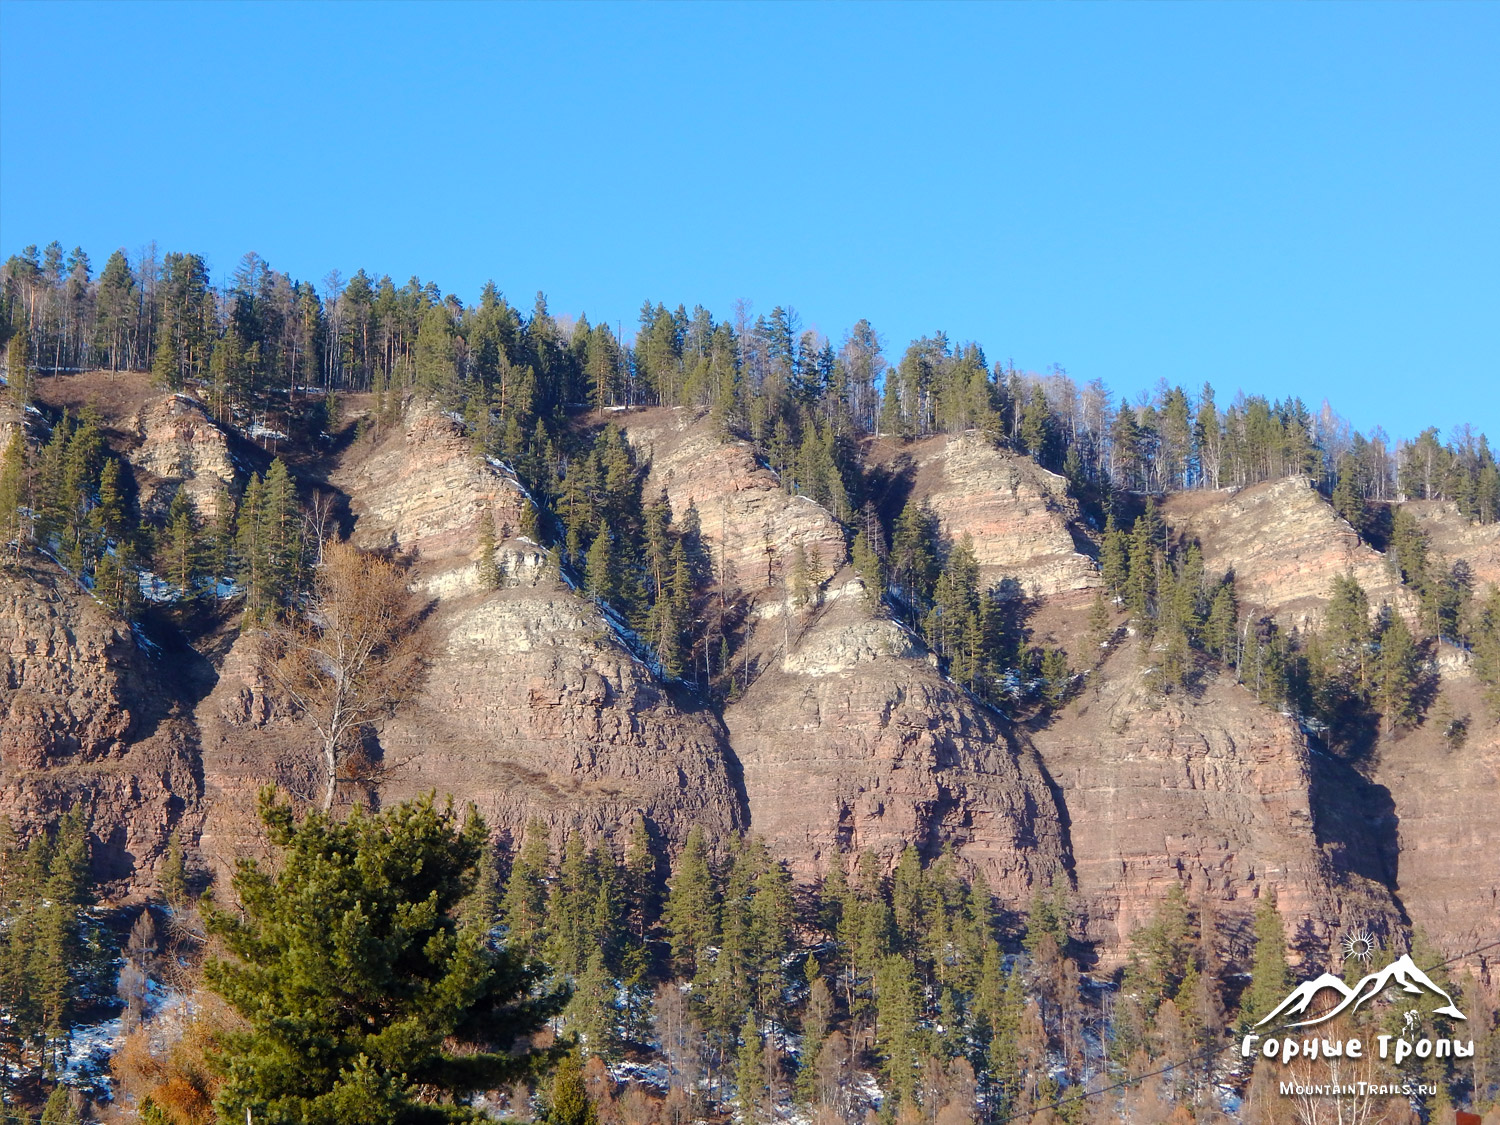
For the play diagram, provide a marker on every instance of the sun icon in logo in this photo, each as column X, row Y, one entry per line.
column 1359, row 944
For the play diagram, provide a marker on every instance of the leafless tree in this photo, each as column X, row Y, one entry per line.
column 354, row 654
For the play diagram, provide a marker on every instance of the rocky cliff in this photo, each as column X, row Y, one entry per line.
column 1443, row 791
column 1209, row 789
column 536, row 704
column 533, row 704
column 180, row 445
column 1285, row 545
column 1024, row 525
column 752, row 523
column 419, row 487
column 850, row 740
column 87, row 720
column 1452, row 537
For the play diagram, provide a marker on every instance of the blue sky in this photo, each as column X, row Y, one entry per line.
column 1275, row 198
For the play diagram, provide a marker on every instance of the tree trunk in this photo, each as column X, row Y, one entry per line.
column 330, row 764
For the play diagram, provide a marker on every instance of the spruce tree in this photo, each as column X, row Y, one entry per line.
column 570, row 1103
column 18, row 366
column 1400, row 674
column 361, row 992
column 13, row 496
column 1269, row 976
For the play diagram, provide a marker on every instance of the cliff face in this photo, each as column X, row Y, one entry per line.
column 181, row 446
column 85, row 721
column 743, row 512
column 1024, row 525
column 420, row 488
column 534, row 705
column 531, row 706
column 852, row 741
column 1215, row 791
column 1443, row 798
column 1452, row 537
column 1286, row 545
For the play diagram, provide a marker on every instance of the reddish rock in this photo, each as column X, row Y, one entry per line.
column 1024, row 525
column 1285, row 545
column 752, row 523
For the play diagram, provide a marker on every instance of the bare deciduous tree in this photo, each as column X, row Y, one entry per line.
column 354, row 654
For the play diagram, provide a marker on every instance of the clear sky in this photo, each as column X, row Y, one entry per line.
column 1275, row 198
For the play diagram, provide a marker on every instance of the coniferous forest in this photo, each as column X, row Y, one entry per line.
column 408, row 965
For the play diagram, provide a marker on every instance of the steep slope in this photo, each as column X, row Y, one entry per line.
column 1444, row 795
column 1213, row 790
column 1285, row 545
column 86, row 721
column 531, row 706
column 1024, row 525
column 753, row 525
column 179, row 445
column 1454, row 537
column 852, row 741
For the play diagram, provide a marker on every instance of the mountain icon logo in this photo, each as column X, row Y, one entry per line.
column 1403, row 971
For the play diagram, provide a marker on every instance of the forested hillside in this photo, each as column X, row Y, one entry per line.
column 859, row 732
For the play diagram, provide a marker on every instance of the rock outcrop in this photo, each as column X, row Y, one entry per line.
column 1024, row 525
column 851, row 740
column 421, row 488
column 1443, row 798
column 1214, row 791
column 1453, row 536
column 85, row 722
column 1285, row 545
column 181, row 446
column 533, row 704
column 753, row 524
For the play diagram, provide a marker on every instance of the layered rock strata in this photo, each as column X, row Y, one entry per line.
column 1024, row 525
column 753, row 525
column 85, row 722
column 850, row 740
column 1285, row 545
column 1213, row 791
column 181, row 446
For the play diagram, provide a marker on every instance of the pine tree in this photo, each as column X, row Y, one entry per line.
column 600, row 577
column 182, row 559
column 897, row 1035
column 165, row 367
column 1400, row 674
column 1101, row 621
column 749, row 1077
column 525, row 906
column 1057, row 677
column 1220, row 630
column 1269, row 975
column 871, row 569
column 18, row 366
column 13, row 495
column 359, row 988
column 1114, row 561
column 692, row 914
column 489, row 570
